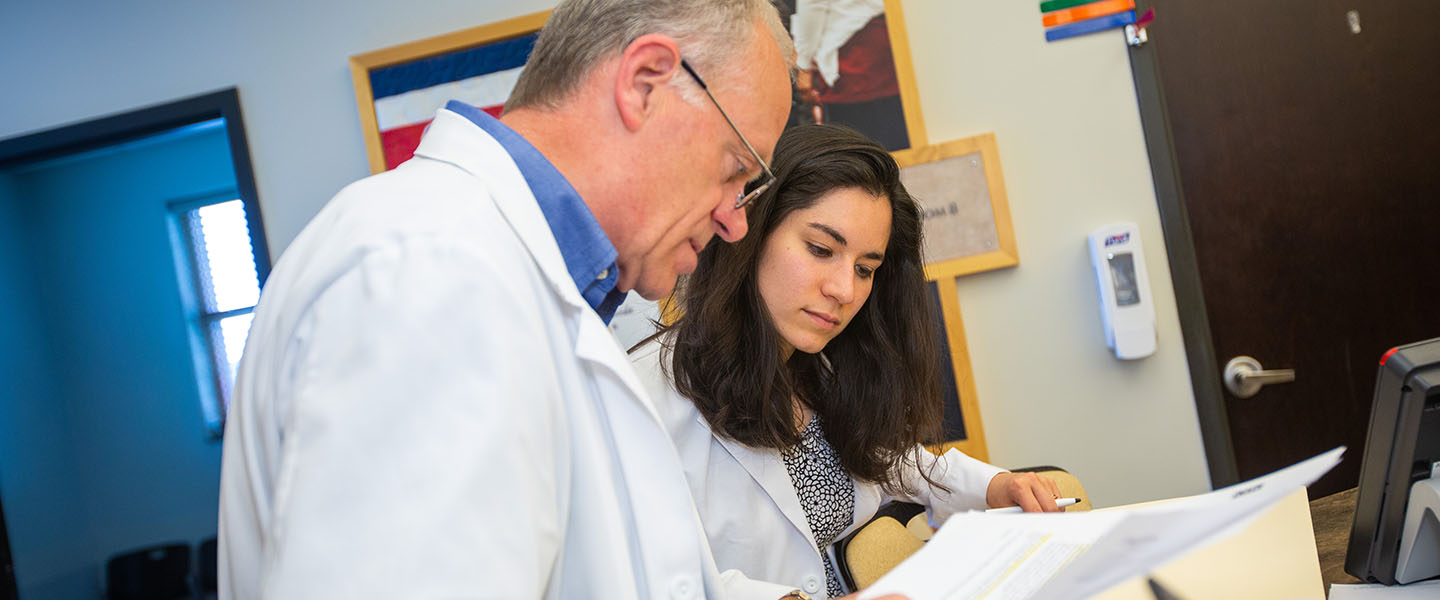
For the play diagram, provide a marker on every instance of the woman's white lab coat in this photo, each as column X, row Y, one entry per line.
column 428, row 408
column 752, row 515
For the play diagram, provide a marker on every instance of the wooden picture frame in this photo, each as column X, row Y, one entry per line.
column 961, row 192
column 963, row 427
column 905, row 73
column 418, row 77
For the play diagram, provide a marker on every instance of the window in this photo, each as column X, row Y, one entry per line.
column 217, row 259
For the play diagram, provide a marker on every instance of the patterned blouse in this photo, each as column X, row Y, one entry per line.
column 827, row 493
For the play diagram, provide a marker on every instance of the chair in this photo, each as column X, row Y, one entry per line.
column 881, row 544
column 206, row 578
column 154, row 573
column 899, row 529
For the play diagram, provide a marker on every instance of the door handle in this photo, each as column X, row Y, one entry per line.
column 1244, row 376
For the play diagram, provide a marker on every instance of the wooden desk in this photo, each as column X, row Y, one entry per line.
column 1333, row 516
column 1275, row 557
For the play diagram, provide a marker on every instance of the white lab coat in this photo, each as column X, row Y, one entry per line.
column 752, row 515
column 429, row 409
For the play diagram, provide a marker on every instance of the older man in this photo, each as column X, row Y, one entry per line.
column 430, row 404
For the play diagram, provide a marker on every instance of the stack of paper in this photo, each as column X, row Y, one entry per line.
column 1075, row 555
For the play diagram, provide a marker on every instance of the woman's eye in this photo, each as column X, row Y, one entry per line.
column 864, row 272
column 819, row 251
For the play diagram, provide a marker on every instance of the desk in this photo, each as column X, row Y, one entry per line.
column 1275, row 557
column 1333, row 516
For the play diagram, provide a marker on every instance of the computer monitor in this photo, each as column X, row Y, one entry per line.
column 1396, row 536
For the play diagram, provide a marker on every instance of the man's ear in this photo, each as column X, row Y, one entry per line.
column 648, row 63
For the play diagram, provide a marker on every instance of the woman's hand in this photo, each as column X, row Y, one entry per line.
column 1031, row 492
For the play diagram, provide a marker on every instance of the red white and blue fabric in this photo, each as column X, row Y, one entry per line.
column 407, row 95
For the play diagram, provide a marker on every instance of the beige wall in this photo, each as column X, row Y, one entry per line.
column 1064, row 114
column 1068, row 126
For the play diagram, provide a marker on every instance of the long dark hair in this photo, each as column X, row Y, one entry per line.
column 876, row 385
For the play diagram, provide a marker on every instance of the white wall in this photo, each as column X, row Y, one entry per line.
column 1067, row 123
column 1065, row 116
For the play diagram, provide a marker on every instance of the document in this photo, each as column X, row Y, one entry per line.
column 1075, row 555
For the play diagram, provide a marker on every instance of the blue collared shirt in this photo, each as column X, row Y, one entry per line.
column 588, row 253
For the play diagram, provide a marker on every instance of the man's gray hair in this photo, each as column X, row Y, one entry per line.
column 579, row 34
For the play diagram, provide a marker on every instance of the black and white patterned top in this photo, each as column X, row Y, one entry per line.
column 827, row 493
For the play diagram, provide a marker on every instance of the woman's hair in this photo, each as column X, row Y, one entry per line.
column 876, row 385
column 580, row 34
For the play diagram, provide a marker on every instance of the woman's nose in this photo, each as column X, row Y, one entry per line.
column 840, row 284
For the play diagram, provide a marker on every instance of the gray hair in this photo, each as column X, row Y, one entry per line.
column 581, row 33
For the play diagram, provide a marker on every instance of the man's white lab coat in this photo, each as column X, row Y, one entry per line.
column 429, row 409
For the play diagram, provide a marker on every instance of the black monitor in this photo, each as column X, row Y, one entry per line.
column 1395, row 537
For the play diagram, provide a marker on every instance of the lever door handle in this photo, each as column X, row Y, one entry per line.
column 1244, row 376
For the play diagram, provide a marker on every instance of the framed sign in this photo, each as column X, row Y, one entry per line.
column 962, row 198
column 398, row 89
column 855, row 69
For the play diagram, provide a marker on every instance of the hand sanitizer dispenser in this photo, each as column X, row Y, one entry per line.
column 1126, row 308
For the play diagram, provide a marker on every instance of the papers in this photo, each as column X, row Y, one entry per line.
column 1075, row 555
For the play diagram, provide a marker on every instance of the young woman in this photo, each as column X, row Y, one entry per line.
column 802, row 378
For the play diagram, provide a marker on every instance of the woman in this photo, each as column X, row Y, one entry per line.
column 802, row 378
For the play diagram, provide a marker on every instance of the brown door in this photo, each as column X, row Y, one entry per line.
column 1306, row 157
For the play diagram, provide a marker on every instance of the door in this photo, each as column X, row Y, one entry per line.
column 1304, row 141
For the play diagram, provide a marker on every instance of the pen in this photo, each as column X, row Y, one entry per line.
column 1160, row 591
column 1061, row 502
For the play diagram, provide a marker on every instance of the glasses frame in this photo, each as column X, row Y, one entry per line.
column 743, row 198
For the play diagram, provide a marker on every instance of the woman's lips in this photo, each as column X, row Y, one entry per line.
column 823, row 319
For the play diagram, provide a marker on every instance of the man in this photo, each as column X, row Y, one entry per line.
column 430, row 404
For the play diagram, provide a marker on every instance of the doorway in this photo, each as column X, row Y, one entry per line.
column 104, row 444
column 1292, row 145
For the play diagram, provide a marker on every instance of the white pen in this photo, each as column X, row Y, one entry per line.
column 1061, row 502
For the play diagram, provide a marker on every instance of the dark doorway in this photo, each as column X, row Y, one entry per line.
column 104, row 445
column 1293, row 146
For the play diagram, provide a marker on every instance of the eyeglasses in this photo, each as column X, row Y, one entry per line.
column 767, row 178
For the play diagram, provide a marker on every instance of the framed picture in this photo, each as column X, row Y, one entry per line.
column 967, row 226
column 963, row 429
column 855, row 69
column 966, row 213
column 398, row 89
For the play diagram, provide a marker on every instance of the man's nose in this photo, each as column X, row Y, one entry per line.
column 730, row 222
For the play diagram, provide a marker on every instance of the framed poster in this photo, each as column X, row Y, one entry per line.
column 398, row 89
column 854, row 69
column 962, row 429
column 966, row 213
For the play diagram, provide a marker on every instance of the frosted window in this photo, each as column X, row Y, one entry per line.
column 230, row 260
column 220, row 256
